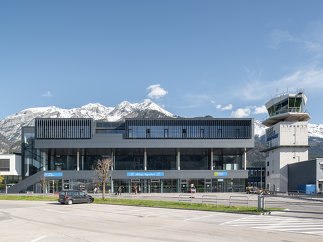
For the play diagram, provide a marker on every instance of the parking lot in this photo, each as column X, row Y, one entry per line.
column 49, row 221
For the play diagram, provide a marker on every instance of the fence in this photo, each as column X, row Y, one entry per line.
column 185, row 198
column 240, row 200
column 209, row 199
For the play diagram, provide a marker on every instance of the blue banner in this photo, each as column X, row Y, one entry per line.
column 144, row 174
column 53, row 174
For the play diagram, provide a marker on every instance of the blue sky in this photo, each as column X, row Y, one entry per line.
column 194, row 58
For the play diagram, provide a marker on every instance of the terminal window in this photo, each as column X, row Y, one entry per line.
column 4, row 165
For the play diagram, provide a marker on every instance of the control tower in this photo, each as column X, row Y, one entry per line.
column 286, row 137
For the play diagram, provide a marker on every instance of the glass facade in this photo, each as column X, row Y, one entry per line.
column 194, row 159
column 290, row 104
column 161, row 159
column 31, row 156
column 227, row 162
column 129, row 159
column 188, row 129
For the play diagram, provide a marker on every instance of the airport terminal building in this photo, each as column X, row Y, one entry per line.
column 157, row 155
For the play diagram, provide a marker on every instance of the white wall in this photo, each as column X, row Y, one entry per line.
column 15, row 165
column 289, row 134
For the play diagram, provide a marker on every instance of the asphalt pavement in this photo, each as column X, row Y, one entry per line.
column 49, row 221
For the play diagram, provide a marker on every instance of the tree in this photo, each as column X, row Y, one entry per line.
column 43, row 182
column 1, row 180
column 103, row 171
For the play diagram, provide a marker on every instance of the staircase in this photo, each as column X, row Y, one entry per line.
column 24, row 184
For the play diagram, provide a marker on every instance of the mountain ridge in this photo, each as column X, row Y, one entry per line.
column 10, row 127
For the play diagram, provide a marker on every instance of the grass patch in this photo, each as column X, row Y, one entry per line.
column 148, row 203
column 180, row 205
column 29, row 198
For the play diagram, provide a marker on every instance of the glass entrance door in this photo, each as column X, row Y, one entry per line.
column 218, row 185
column 55, row 185
column 184, row 186
column 145, row 185
column 208, row 185
column 155, row 186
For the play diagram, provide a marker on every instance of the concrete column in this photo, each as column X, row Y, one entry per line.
column 145, row 160
column 212, row 159
column 77, row 160
column 44, row 161
column 112, row 164
column 112, row 188
column 178, row 160
column 82, row 166
column 245, row 158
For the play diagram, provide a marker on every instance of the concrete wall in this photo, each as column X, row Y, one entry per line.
column 293, row 133
column 291, row 143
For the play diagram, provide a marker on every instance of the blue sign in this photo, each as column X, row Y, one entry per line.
column 272, row 137
column 221, row 173
column 220, row 179
column 53, row 174
column 144, row 174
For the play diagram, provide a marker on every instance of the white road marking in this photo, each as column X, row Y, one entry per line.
column 39, row 238
column 282, row 224
column 52, row 210
column 196, row 218
column 236, row 220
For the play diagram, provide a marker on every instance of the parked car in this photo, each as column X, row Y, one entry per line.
column 253, row 190
column 74, row 196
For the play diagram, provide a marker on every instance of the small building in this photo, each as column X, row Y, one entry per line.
column 10, row 168
column 306, row 172
column 256, row 177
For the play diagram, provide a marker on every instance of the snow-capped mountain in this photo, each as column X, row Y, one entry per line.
column 314, row 130
column 10, row 127
column 259, row 128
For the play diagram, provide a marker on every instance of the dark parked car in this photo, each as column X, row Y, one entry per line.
column 74, row 196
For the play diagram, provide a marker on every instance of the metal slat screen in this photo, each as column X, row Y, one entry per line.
column 63, row 128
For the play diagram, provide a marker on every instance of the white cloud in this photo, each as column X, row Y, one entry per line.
column 228, row 107
column 309, row 77
column 260, row 110
column 47, row 94
column 156, row 91
column 311, row 42
column 241, row 112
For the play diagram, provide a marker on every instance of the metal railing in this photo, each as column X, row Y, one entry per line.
column 209, row 199
column 185, row 198
column 240, row 200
